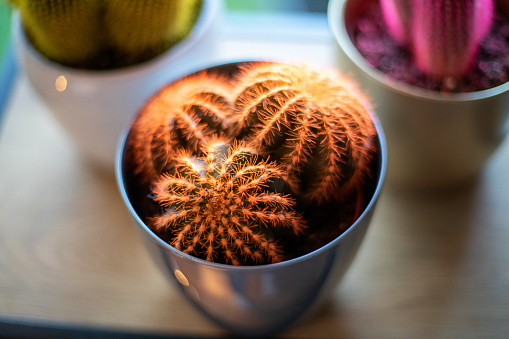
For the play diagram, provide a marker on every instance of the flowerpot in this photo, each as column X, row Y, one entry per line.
column 257, row 300
column 94, row 106
column 435, row 140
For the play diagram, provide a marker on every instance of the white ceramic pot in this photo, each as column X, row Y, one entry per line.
column 256, row 300
column 435, row 141
column 95, row 106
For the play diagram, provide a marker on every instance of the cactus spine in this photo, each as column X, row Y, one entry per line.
column 313, row 125
column 219, row 206
column 183, row 115
column 443, row 35
column 106, row 33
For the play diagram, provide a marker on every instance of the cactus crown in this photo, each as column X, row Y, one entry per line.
column 220, row 206
column 100, row 34
column 230, row 160
column 443, row 35
column 313, row 125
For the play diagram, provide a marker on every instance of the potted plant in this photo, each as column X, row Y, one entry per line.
column 252, row 184
column 93, row 63
column 439, row 82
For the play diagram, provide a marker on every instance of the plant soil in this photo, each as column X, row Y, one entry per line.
column 490, row 69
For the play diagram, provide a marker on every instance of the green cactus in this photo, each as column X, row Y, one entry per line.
column 141, row 29
column 222, row 206
column 310, row 123
column 100, row 34
column 183, row 115
column 64, row 31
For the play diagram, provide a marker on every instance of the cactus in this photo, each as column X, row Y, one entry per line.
column 106, row 33
column 397, row 14
column 159, row 24
column 443, row 35
column 220, row 206
column 63, row 30
column 312, row 124
column 446, row 42
column 183, row 115
column 231, row 169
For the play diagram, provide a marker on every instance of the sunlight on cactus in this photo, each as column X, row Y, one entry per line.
column 443, row 35
column 311, row 123
column 182, row 115
column 221, row 206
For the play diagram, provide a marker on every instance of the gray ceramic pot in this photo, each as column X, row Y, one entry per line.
column 257, row 300
column 435, row 140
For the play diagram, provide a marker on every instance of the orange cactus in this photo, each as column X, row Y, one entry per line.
column 232, row 166
column 221, row 206
column 182, row 115
column 311, row 123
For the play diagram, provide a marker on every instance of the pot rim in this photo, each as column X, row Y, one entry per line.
column 369, row 207
column 210, row 9
column 336, row 12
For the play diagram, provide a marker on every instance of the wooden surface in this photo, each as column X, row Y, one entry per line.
column 433, row 266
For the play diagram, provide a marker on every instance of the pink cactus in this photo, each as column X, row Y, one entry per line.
column 443, row 35
column 397, row 15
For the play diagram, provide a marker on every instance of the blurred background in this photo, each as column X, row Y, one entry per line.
column 277, row 5
column 7, row 67
column 4, row 26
